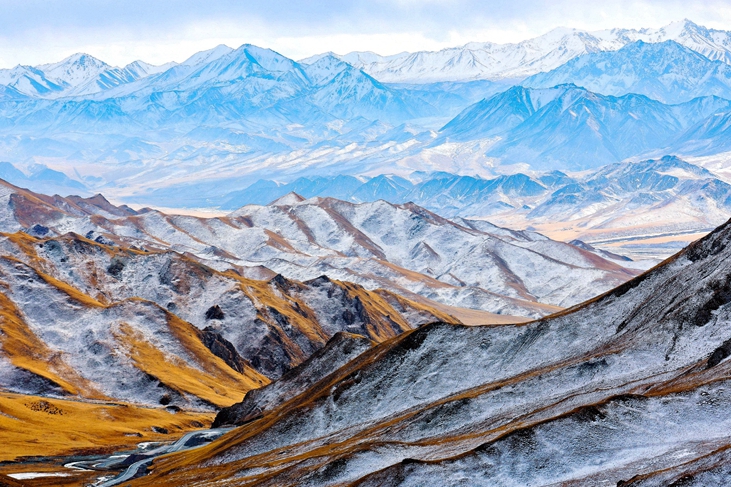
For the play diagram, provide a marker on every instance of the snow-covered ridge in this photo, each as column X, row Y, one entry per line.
column 477, row 60
column 77, row 75
column 82, row 74
column 403, row 248
column 627, row 389
column 666, row 71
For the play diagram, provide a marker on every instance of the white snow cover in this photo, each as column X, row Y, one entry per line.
column 379, row 245
column 478, row 60
column 634, row 383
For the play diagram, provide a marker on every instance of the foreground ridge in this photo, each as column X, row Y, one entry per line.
column 626, row 389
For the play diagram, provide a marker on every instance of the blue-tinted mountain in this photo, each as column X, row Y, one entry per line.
column 710, row 136
column 347, row 92
column 638, row 185
column 499, row 113
column 664, row 71
column 568, row 127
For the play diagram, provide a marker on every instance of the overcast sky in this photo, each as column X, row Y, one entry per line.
column 157, row 31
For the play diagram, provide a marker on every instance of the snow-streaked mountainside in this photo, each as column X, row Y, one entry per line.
column 666, row 71
column 572, row 128
column 93, row 317
column 401, row 248
column 627, row 389
column 478, row 60
column 611, row 207
column 619, row 201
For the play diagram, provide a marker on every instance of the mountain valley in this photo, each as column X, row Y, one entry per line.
column 493, row 264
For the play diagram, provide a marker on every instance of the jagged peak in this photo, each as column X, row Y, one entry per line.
column 79, row 58
column 288, row 199
column 208, row 55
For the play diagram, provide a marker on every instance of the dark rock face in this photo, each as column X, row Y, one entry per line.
column 719, row 354
column 100, row 239
column 339, row 350
column 270, row 355
column 215, row 313
column 38, row 230
column 223, row 349
column 116, row 267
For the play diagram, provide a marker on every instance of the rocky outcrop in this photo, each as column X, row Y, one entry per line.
column 215, row 313
column 223, row 349
column 342, row 348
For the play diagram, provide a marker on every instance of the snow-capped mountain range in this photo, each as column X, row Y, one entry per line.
column 82, row 74
column 77, row 75
column 404, row 248
column 665, row 71
column 485, row 60
column 193, row 134
column 619, row 201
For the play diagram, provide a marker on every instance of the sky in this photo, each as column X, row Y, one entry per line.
column 157, row 31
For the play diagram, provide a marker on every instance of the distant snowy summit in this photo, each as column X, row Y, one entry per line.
column 489, row 61
column 77, row 75
column 84, row 75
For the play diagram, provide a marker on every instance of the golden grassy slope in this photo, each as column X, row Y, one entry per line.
column 34, row 426
column 38, row 426
column 26, row 351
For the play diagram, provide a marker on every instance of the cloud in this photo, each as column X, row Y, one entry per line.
column 36, row 31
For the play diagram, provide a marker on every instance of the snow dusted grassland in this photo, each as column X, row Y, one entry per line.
column 403, row 248
column 629, row 387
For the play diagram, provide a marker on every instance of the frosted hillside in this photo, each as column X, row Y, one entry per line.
column 402, row 248
column 630, row 388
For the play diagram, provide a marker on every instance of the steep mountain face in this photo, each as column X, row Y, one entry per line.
column 627, row 389
column 516, row 61
column 577, row 127
column 666, row 71
column 96, row 320
column 404, row 248
column 499, row 113
column 709, row 136
column 28, row 80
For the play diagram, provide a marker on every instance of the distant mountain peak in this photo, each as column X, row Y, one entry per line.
column 666, row 71
column 207, row 56
column 288, row 199
column 80, row 58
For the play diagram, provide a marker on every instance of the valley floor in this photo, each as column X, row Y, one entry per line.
column 41, row 434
